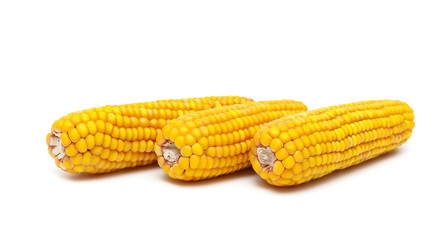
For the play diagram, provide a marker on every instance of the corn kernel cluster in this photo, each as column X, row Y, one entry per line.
column 214, row 142
column 108, row 138
column 200, row 138
column 300, row 147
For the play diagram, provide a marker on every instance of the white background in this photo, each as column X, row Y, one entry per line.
column 57, row 57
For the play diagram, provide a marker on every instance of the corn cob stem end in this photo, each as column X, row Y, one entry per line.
column 170, row 152
column 266, row 157
column 57, row 149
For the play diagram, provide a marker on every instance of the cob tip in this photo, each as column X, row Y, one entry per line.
column 266, row 157
column 170, row 152
column 55, row 145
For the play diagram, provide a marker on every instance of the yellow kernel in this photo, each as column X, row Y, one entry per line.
column 180, row 142
column 211, row 151
column 312, row 161
column 86, row 157
column 305, row 165
column 149, row 146
column 219, row 152
column 293, row 134
column 196, row 133
column 299, row 144
column 65, row 140
column 278, row 168
column 283, row 181
column 198, row 173
column 120, row 156
column 74, row 135
column 203, row 142
column 319, row 160
column 101, row 163
column 290, row 147
column 97, row 150
column 203, row 162
column 276, row 144
column 289, row 162
column 134, row 146
column 95, row 159
column 92, row 127
column 273, row 176
column 197, row 149
column 298, row 178
column 113, row 144
column 256, row 165
column 118, row 120
column 265, row 140
column 190, row 140
column 127, row 146
column 298, row 156
column 313, row 140
column 284, row 137
column 71, row 150
column 82, row 130
column 297, row 168
column 77, row 159
column 318, row 149
column 274, row 132
column 174, row 133
column 194, row 161
column 79, row 168
column 107, row 140
column 306, row 153
column 307, row 172
column 67, row 126
column 48, row 138
column 105, row 153
column 67, row 163
column 134, row 122
column 142, row 146
column 177, row 169
column 85, row 117
column 281, row 154
column 210, row 163
column 81, row 145
column 312, row 150
column 113, row 156
column 134, row 134
column 126, row 121
column 287, row 174
column 184, row 163
column 264, row 175
column 116, row 132
column 109, row 128
column 99, row 138
column 90, row 140
column 186, row 151
column 101, row 126
column 306, row 141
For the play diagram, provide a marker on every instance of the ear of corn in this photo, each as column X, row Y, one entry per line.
column 214, row 142
column 108, row 138
column 304, row 146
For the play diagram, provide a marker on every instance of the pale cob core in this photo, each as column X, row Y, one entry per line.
column 56, row 145
column 170, row 152
column 266, row 156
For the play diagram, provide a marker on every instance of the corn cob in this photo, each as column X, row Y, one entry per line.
column 109, row 138
column 214, row 142
column 304, row 146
